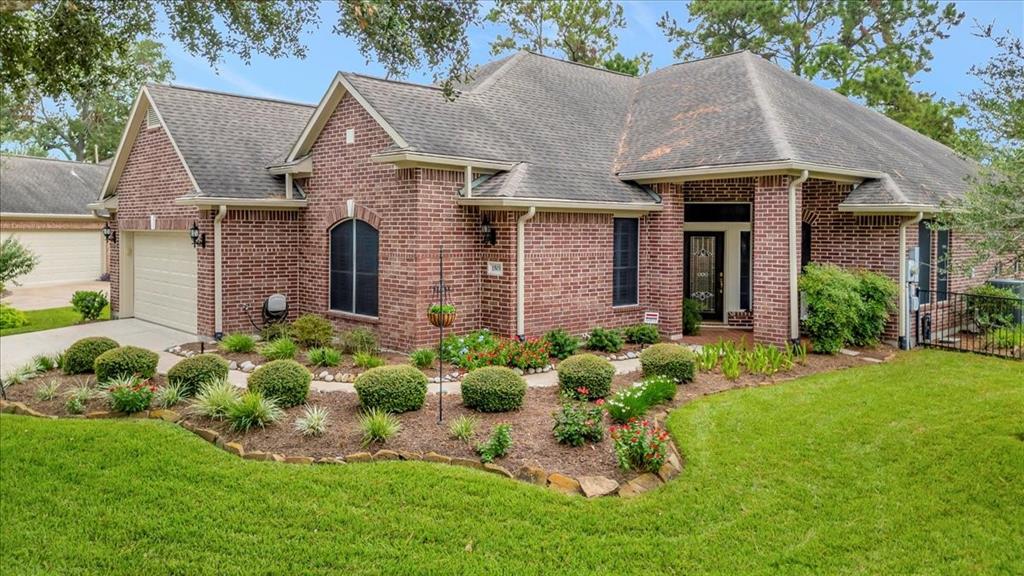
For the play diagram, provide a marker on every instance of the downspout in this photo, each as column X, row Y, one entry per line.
column 218, row 290
column 903, row 324
column 521, row 271
column 469, row 181
column 794, row 263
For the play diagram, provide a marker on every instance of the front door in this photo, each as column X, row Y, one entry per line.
column 704, row 270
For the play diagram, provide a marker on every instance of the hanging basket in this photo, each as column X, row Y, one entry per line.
column 440, row 319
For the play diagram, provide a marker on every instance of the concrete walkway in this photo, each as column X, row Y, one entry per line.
column 18, row 349
column 42, row 297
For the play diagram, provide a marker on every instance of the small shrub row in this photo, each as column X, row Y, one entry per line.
column 392, row 389
column 671, row 360
column 284, row 381
column 191, row 373
column 585, row 376
column 125, row 361
column 845, row 307
column 493, row 389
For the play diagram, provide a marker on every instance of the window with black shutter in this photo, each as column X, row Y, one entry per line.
column 924, row 245
column 942, row 266
column 354, row 264
column 625, row 265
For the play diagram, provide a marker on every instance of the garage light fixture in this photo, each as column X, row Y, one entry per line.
column 198, row 238
column 489, row 232
column 108, row 233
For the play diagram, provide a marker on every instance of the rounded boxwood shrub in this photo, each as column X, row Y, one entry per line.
column 80, row 356
column 392, row 388
column 671, row 360
column 191, row 373
column 586, row 371
column 493, row 389
column 284, row 381
column 312, row 330
column 125, row 361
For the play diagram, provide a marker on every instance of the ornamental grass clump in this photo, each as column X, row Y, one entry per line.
column 78, row 397
column 423, row 358
column 640, row 445
column 378, row 426
column 359, row 340
column 493, row 389
column 45, row 363
column 576, row 424
column 323, row 357
column 585, row 376
column 284, row 381
column 313, row 421
column 125, row 361
column 214, row 398
column 279, row 349
column 170, row 395
column 252, row 409
column 392, row 389
column 367, row 360
column 672, row 360
column 47, row 391
column 191, row 373
column 238, row 342
column 463, row 428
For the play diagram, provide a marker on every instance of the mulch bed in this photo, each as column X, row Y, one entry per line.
column 534, row 443
column 347, row 365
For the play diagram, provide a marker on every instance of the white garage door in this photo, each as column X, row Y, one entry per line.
column 64, row 255
column 165, row 279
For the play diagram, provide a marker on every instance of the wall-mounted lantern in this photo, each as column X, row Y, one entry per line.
column 489, row 232
column 109, row 233
column 198, row 238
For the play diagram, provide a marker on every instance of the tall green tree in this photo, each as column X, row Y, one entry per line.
column 62, row 47
column 86, row 125
column 581, row 30
column 992, row 210
column 871, row 50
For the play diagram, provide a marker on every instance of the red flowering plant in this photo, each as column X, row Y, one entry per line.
column 130, row 394
column 531, row 353
column 640, row 445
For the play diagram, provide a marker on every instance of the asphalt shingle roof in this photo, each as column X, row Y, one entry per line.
column 228, row 141
column 30, row 185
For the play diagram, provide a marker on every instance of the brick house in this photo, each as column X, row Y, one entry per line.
column 43, row 204
column 563, row 195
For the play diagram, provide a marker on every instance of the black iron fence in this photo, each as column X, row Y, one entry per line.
column 971, row 323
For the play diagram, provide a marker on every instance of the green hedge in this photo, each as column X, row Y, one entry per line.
column 284, row 381
column 845, row 307
column 392, row 388
column 125, row 361
column 671, row 360
column 80, row 356
column 192, row 373
column 586, row 371
column 493, row 389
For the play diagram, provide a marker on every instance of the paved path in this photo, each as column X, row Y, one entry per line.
column 20, row 348
column 57, row 296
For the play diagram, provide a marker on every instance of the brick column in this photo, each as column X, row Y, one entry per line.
column 665, row 258
column 771, row 259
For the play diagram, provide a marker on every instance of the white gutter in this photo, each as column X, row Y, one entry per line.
column 258, row 203
column 405, row 157
column 289, row 187
column 560, row 205
column 794, row 262
column 521, row 271
column 39, row 216
column 903, row 323
column 751, row 168
column 218, row 289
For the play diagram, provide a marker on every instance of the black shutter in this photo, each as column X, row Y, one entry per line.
column 625, row 261
column 942, row 266
column 745, row 270
column 366, row 269
column 924, row 245
column 341, row 266
column 805, row 244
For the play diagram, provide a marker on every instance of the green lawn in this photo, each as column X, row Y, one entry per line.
column 50, row 318
column 916, row 466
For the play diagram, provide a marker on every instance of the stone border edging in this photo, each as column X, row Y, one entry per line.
column 588, row 486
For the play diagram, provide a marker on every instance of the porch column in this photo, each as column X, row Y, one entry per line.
column 664, row 244
column 771, row 259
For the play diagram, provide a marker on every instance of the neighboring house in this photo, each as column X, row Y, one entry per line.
column 564, row 196
column 43, row 203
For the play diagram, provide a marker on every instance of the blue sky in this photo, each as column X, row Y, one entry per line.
column 305, row 80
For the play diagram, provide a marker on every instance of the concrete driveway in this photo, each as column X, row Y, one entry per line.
column 20, row 348
column 57, row 296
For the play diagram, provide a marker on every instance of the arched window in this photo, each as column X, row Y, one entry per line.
column 354, row 266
